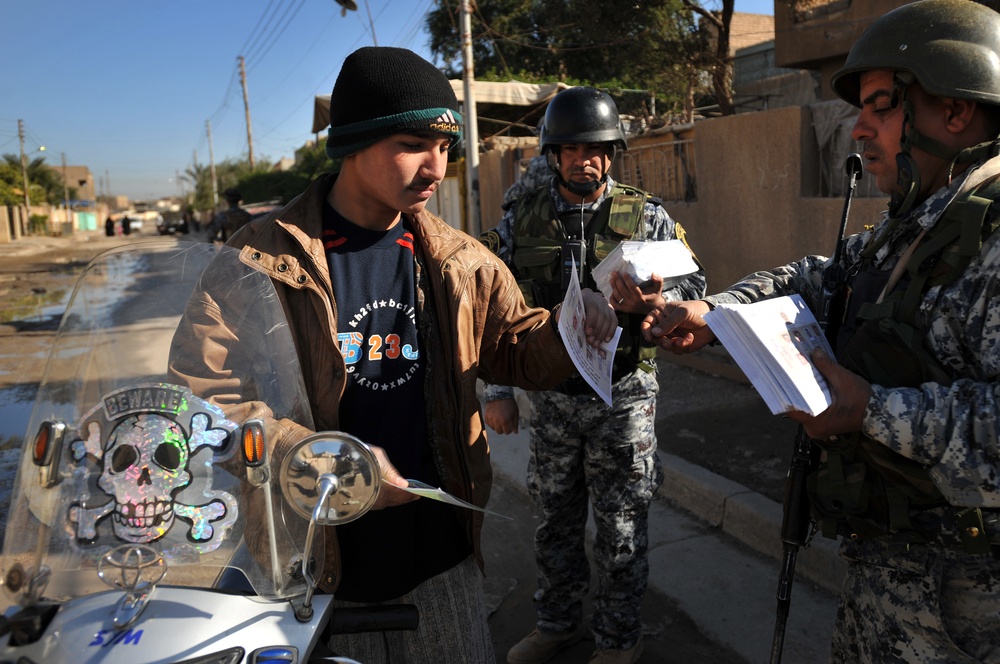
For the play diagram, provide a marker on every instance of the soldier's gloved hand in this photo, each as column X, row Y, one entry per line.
column 502, row 415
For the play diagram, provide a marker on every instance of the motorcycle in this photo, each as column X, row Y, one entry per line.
column 148, row 524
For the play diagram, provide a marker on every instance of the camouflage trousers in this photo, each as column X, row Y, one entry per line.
column 581, row 449
column 933, row 604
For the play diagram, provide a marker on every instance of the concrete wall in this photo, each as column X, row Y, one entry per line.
column 749, row 214
column 747, row 211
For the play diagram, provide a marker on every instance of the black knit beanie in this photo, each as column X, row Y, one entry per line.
column 381, row 91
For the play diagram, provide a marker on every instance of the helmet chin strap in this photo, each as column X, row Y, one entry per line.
column 904, row 194
column 581, row 189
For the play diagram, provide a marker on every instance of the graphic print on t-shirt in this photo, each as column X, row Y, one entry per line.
column 372, row 273
column 372, row 342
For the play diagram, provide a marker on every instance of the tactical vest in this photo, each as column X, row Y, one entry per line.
column 865, row 489
column 539, row 236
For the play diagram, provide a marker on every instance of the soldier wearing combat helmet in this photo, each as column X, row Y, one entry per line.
column 911, row 477
column 581, row 449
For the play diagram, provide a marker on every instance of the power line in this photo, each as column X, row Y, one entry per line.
column 292, row 69
column 244, row 48
column 259, row 56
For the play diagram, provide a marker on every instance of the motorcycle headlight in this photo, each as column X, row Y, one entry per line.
column 230, row 656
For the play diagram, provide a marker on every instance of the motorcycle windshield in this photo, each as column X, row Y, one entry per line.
column 135, row 454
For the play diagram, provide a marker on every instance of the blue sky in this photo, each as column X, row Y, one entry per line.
column 125, row 87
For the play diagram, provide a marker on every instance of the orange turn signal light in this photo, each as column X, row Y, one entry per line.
column 49, row 437
column 253, row 443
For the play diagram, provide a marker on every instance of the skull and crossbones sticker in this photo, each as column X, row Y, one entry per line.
column 153, row 449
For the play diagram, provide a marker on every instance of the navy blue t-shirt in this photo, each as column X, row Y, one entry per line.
column 388, row 552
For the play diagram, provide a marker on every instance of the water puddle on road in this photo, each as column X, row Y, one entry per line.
column 35, row 319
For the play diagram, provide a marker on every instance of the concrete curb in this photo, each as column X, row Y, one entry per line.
column 747, row 516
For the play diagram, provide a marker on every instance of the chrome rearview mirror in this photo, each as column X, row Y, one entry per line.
column 347, row 470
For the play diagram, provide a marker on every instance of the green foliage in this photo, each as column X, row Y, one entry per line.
column 616, row 45
column 10, row 185
column 311, row 160
column 228, row 173
column 38, row 224
column 45, row 184
column 281, row 186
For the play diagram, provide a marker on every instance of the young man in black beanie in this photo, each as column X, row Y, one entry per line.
column 395, row 315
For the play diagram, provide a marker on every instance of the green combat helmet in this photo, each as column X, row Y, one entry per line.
column 950, row 47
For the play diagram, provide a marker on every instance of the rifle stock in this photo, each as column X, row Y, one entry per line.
column 797, row 527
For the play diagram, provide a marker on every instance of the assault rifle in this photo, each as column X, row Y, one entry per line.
column 797, row 526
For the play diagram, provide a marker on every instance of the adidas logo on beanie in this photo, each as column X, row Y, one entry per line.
column 383, row 90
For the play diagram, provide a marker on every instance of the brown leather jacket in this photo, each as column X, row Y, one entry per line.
column 471, row 316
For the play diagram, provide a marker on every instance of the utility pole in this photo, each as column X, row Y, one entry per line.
column 24, row 176
column 246, row 106
column 211, row 165
column 371, row 23
column 471, row 129
column 69, row 215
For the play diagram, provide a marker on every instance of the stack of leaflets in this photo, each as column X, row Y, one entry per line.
column 669, row 259
column 772, row 342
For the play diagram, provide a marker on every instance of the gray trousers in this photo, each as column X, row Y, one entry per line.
column 929, row 605
column 453, row 627
column 584, row 452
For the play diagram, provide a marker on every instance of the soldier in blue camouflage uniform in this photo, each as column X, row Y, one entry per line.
column 911, row 476
column 580, row 447
column 535, row 175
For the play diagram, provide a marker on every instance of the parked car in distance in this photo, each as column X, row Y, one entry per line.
column 172, row 225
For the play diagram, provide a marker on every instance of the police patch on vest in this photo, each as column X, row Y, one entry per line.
column 491, row 239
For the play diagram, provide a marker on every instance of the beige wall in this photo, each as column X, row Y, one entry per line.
column 749, row 214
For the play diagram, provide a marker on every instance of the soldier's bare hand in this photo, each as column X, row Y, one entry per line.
column 678, row 326
column 502, row 415
column 850, row 393
column 629, row 297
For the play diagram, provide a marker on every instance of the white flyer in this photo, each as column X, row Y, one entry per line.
column 670, row 259
column 425, row 490
column 594, row 364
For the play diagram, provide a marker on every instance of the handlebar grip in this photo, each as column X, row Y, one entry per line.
column 374, row 619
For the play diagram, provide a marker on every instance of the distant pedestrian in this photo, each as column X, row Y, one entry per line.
column 230, row 220
column 109, row 226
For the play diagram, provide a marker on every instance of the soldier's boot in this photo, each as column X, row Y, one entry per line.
column 539, row 647
column 629, row 656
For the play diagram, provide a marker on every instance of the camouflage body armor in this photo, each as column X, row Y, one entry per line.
column 864, row 489
column 541, row 239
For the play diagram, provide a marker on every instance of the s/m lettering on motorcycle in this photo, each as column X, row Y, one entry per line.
column 107, row 638
column 163, row 399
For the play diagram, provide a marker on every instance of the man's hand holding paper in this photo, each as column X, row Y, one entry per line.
column 594, row 362
column 666, row 260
